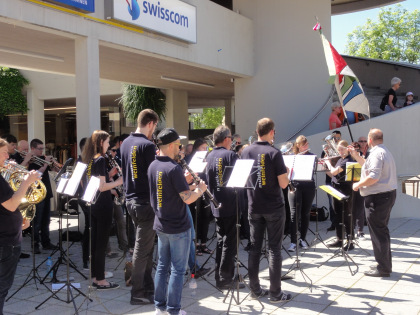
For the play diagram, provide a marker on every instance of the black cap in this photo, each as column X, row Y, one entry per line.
column 166, row 136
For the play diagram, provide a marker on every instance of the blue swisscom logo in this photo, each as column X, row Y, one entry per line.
column 156, row 11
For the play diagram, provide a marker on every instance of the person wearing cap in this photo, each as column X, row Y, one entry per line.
column 137, row 153
column 169, row 196
column 409, row 99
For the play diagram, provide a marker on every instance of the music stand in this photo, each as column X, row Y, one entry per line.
column 90, row 196
column 302, row 169
column 238, row 180
column 353, row 174
column 340, row 251
column 68, row 186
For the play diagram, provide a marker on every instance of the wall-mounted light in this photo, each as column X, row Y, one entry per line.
column 187, row 81
column 31, row 54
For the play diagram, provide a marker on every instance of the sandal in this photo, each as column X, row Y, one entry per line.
column 198, row 252
column 205, row 250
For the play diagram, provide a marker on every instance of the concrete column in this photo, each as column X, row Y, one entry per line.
column 290, row 80
column 88, row 112
column 177, row 111
column 228, row 113
column 36, row 117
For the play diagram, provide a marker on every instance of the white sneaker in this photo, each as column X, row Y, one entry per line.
column 159, row 312
column 292, row 247
column 108, row 274
column 361, row 236
column 303, row 244
column 182, row 312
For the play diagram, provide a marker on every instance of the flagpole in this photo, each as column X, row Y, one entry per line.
column 340, row 97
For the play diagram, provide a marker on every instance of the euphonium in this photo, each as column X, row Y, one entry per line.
column 330, row 148
column 15, row 175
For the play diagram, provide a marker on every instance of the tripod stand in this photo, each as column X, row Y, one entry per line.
column 237, row 277
column 63, row 258
column 33, row 274
column 341, row 251
column 67, row 285
column 296, row 263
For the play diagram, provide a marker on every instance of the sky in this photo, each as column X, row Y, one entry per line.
column 343, row 24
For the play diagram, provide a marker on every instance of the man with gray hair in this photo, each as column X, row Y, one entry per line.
column 378, row 186
column 217, row 175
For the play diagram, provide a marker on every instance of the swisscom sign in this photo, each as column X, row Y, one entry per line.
column 170, row 17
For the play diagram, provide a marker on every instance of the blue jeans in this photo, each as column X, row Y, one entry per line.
column 9, row 257
column 274, row 223
column 192, row 260
column 173, row 252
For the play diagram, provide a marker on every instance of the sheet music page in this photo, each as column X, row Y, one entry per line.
column 75, row 179
column 61, row 185
column 91, row 189
column 302, row 168
column 240, row 173
column 333, row 192
column 350, row 166
column 197, row 163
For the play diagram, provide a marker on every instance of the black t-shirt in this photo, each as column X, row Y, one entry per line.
column 137, row 152
column 339, row 180
column 391, row 92
column 267, row 196
column 166, row 182
column 10, row 221
column 45, row 177
column 217, row 176
column 98, row 167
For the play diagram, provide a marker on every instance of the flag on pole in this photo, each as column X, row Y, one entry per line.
column 349, row 89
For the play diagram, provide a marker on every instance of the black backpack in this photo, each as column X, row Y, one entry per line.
column 323, row 213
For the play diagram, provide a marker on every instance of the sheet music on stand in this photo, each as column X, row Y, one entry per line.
column 68, row 186
column 91, row 189
column 353, row 171
column 334, row 192
column 197, row 163
column 301, row 166
column 240, row 173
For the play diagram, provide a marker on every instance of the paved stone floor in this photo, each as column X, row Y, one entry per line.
column 335, row 289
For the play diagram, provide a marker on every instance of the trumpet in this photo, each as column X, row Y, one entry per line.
column 38, row 161
column 119, row 189
column 197, row 180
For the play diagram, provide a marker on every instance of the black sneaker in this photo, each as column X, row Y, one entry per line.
column 349, row 246
column 283, row 297
column 142, row 301
column 201, row 272
column 109, row 286
column 262, row 293
column 337, row 243
column 24, row 255
column 50, row 247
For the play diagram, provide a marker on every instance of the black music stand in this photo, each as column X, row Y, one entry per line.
column 68, row 186
column 238, row 184
column 340, row 251
column 90, row 197
column 305, row 166
column 353, row 174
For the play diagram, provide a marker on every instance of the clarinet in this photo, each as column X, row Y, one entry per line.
column 119, row 189
column 197, row 180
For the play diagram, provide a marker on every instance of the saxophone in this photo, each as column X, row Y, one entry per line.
column 119, row 189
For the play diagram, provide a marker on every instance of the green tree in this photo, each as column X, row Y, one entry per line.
column 209, row 119
column 136, row 98
column 394, row 36
column 12, row 101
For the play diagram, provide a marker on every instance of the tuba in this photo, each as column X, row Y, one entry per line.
column 15, row 174
column 330, row 148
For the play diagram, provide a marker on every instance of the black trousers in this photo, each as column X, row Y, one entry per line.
column 344, row 208
column 358, row 211
column 225, row 250
column 85, row 240
column 9, row 257
column 202, row 211
column 101, row 227
column 378, row 211
column 300, row 207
